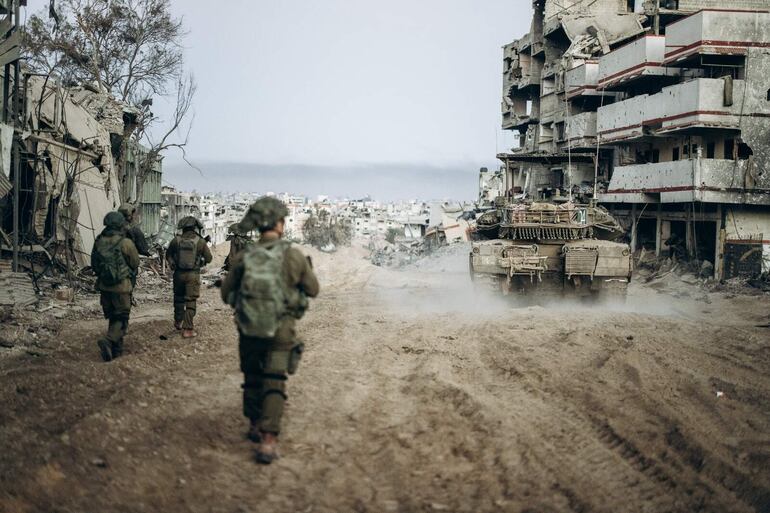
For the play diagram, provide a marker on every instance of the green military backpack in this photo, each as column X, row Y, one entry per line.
column 263, row 298
column 109, row 265
column 187, row 255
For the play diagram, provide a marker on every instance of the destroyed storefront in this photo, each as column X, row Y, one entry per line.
column 659, row 111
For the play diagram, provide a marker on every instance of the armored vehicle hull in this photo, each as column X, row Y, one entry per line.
column 553, row 250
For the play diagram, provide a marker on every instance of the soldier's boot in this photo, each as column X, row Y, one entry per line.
column 189, row 333
column 177, row 325
column 254, row 434
column 106, row 349
column 117, row 349
column 267, row 451
column 117, row 344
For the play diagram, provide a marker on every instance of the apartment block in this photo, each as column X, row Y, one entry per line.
column 657, row 109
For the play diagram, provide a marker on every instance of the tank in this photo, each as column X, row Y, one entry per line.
column 550, row 249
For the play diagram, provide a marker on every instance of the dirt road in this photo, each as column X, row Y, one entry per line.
column 413, row 396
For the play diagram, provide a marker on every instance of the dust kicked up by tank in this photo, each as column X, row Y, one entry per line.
column 271, row 256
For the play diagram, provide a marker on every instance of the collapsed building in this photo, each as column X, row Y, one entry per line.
column 657, row 109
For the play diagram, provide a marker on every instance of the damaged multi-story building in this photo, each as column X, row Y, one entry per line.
column 657, row 109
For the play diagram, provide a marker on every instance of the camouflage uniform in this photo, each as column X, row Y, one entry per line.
column 265, row 361
column 133, row 232
column 116, row 299
column 239, row 240
column 187, row 283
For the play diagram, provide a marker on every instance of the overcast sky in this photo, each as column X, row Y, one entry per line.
column 348, row 81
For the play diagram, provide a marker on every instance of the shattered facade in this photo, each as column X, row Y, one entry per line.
column 77, row 164
column 660, row 110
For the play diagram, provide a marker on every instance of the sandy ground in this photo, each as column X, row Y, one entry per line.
column 414, row 395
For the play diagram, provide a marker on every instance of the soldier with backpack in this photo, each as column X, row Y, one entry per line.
column 239, row 240
column 268, row 286
column 114, row 260
column 186, row 254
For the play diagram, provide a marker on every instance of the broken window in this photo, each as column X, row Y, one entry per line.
column 560, row 131
column 675, row 155
column 710, row 150
column 744, row 151
column 655, row 156
column 729, row 149
column 686, row 151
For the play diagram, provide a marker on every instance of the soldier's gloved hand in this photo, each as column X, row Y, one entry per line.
column 208, row 239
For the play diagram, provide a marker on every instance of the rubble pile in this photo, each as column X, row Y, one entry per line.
column 696, row 272
column 396, row 254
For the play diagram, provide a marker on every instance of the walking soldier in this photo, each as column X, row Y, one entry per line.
column 133, row 231
column 186, row 254
column 114, row 260
column 268, row 285
column 239, row 240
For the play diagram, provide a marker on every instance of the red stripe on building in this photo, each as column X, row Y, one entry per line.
column 651, row 64
column 709, row 42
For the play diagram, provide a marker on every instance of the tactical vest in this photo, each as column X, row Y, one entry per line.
column 187, row 258
column 109, row 264
column 264, row 298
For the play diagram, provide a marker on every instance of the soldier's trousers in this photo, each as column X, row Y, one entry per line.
column 187, row 289
column 265, row 366
column 116, row 307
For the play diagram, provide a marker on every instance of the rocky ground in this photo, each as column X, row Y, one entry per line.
column 414, row 395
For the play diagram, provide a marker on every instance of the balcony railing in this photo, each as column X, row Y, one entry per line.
column 721, row 32
column 682, row 181
column 582, row 80
column 699, row 103
column 580, row 130
column 641, row 57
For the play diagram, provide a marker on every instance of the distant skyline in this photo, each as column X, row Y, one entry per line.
column 382, row 182
column 341, row 82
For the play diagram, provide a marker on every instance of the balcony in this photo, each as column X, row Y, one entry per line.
column 684, row 181
column 582, row 80
column 622, row 120
column 580, row 131
column 699, row 103
column 639, row 58
column 716, row 32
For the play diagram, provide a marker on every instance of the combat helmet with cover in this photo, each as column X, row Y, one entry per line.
column 264, row 214
column 188, row 222
column 108, row 262
column 127, row 210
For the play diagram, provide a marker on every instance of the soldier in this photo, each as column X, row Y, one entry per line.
column 239, row 240
column 133, row 231
column 186, row 254
column 268, row 286
column 115, row 260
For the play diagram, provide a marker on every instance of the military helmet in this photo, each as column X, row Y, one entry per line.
column 189, row 222
column 114, row 220
column 236, row 229
column 264, row 214
column 127, row 209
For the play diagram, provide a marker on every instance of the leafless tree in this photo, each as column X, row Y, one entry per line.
column 131, row 49
column 168, row 137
